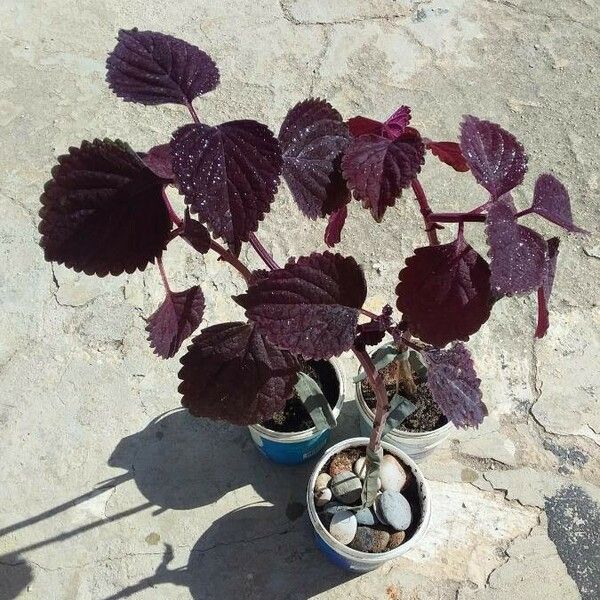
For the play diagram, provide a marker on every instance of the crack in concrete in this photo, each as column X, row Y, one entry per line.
column 320, row 60
column 551, row 18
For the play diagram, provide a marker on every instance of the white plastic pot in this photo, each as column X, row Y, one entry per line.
column 416, row 444
column 297, row 447
column 348, row 558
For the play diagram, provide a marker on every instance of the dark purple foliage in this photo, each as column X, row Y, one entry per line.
column 312, row 137
column 495, row 157
column 454, row 385
column 175, row 320
column 195, row 233
column 378, row 169
column 229, row 175
column 102, row 211
column 153, row 68
column 546, row 289
column 444, row 292
column 158, row 160
column 309, row 307
column 551, row 201
column 333, row 231
column 449, row 153
column 392, row 128
column 358, row 126
column 232, row 373
column 518, row 254
column 373, row 332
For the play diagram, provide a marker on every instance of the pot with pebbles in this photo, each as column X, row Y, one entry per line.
column 422, row 431
column 361, row 538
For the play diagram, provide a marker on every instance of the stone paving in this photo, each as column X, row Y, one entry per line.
column 105, row 494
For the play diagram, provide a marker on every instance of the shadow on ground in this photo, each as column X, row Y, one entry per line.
column 15, row 575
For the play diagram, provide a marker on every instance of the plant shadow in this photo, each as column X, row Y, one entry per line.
column 15, row 575
column 243, row 555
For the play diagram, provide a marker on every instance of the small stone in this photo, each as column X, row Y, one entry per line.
column 396, row 539
column 339, row 464
column 346, row 487
column 322, row 481
column 393, row 508
column 333, row 507
column 322, row 497
column 343, row 526
column 393, row 475
column 370, row 540
column 365, row 516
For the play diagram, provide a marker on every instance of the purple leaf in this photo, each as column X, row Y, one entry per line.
column 337, row 193
column 358, row 126
column 518, row 254
column 102, row 211
column 551, row 201
column 546, row 289
column 229, row 175
column 449, row 153
column 496, row 158
column 377, row 169
column 232, row 373
column 175, row 320
column 158, row 160
column 312, row 137
column 454, row 385
column 395, row 125
column 195, row 233
column 153, row 68
column 444, row 292
column 371, row 333
column 333, row 231
column 309, row 307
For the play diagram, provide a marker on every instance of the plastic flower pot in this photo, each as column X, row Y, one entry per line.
column 354, row 560
column 417, row 444
column 297, row 447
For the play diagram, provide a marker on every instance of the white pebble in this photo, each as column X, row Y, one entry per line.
column 343, row 526
column 322, row 481
column 393, row 476
column 322, row 497
column 360, row 468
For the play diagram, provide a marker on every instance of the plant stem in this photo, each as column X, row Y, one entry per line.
column 456, row 218
column 193, row 113
column 163, row 275
column 368, row 313
column 430, row 226
column 263, row 252
column 172, row 214
column 382, row 410
column 233, row 260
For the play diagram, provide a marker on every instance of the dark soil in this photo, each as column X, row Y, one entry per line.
column 294, row 417
column 428, row 415
column 410, row 492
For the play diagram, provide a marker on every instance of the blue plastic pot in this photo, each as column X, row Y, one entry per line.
column 298, row 447
column 348, row 558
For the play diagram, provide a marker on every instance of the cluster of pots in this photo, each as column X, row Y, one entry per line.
column 407, row 447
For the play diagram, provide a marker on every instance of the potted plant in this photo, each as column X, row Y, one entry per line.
column 106, row 211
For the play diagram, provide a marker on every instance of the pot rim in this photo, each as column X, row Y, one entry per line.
column 298, row 436
column 346, row 551
column 366, row 410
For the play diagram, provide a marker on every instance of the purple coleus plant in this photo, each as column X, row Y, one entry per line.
column 106, row 211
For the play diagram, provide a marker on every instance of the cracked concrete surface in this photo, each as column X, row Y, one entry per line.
column 103, row 495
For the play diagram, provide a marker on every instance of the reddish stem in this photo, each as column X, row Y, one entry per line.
column 233, row 260
column 430, row 226
column 172, row 214
column 193, row 113
column 456, row 218
column 263, row 252
column 163, row 275
column 368, row 313
column 382, row 409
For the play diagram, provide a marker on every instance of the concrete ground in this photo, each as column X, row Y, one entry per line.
column 105, row 495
